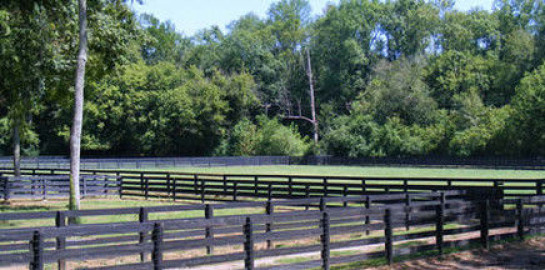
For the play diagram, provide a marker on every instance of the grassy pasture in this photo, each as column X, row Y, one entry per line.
column 365, row 171
column 396, row 172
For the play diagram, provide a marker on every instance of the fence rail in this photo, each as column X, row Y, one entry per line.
column 378, row 231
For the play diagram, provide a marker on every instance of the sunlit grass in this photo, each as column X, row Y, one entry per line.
column 365, row 171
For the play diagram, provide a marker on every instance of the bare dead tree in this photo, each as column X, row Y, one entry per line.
column 313, row 120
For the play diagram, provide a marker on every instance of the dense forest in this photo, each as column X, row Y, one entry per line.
column 366, row 77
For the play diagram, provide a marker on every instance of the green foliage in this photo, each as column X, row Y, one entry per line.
column 455, row 72
column 276, row 139
column 482, row 135
column 266, row 138
column 165, row 110
column 528, row 119
column 359, row 136
column 162, row 42
column 401, row 77
column 397, row 90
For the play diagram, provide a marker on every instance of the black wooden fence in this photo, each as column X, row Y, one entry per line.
column 314, row 234
column 178, row 185
column 52, row 186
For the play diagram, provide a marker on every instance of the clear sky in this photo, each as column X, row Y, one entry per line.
column 189, row 16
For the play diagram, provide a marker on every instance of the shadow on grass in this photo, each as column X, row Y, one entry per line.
column 514, row 255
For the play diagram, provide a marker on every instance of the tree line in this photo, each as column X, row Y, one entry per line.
column 366, row 77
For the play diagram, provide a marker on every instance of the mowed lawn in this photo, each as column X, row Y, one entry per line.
column 367, row 171
column 398, row 173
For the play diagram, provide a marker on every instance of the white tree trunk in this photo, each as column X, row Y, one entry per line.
column 16, row 149
column 75, row 134
column 312, row 101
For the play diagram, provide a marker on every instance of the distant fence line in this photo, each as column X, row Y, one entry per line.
column 60, row 162
column 53, row 186
column 208, row 186
column 537, row 163
column 56, row 162
column 430, row 225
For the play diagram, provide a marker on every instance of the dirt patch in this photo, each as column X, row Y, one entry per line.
column 526, row 255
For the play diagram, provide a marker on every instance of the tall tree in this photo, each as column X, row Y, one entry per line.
column 75, row 134
column 162, row 43
column 29, row 54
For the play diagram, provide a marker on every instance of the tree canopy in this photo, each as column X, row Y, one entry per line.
column 391, row 78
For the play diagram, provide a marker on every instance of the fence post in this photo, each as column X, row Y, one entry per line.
column 84, row 186
column 36, row 252
column 345, row 193
column 105, row 183
column 120, row 179
column 7, row 186
column 224, row 185
column 325, row 240
column 256, row 183
column 269, row 210
column 323, row 205
column 325, row 187
column 539, row 185
column 290, row 186
column 363, row 188
column 520, row 219
column 60, row 221
column 44, row 188
column 235, row 191
column 147, row 188
column 485, row 214
column 440, row 210
column 269, row 192
column 388, row 244
column 196, row 184
column 203, row 190
column 408, row 210
column 367, row 218
column 157, row 253
column 142, row 217
column 169, row 187
column 248, row 245
column 174, row 189
column 307, row 195
column 209, row 232
column 141, row 180
column 32, row 187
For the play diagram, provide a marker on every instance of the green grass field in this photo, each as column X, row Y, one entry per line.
column 365, row 171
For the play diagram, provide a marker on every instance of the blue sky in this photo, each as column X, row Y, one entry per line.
column 189, row 16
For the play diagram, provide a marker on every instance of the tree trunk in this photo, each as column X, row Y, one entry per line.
column 312, row 101
column 75, row 134
column 16, row 149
